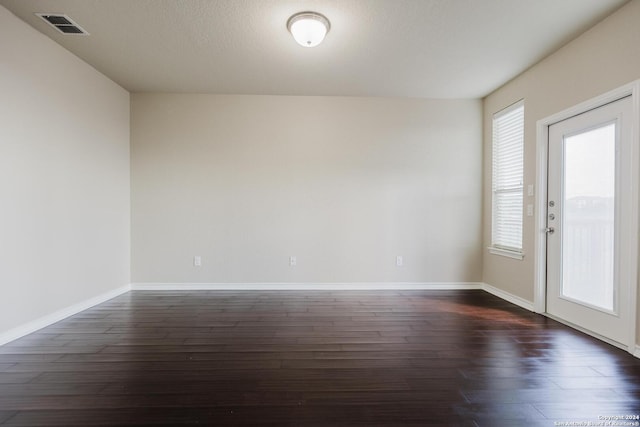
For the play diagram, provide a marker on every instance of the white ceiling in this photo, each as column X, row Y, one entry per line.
column 403, row 48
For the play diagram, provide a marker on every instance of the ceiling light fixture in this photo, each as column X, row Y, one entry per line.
column 308, row 28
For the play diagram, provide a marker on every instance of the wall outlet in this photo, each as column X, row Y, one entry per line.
column 197, row 261
column 292, row 261
column 399, row 261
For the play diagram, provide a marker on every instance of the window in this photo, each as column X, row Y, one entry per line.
column 507, row 182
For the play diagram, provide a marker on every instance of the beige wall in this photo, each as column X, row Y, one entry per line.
column 344, row 184
column 64, row 178
column 602, row 59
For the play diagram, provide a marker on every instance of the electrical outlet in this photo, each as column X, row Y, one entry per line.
column 197, row 261
column 292, row 261
column 399, row 261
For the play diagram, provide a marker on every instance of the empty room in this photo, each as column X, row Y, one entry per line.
column 319, row 212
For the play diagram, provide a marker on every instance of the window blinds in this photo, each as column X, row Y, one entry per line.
column 508, row 156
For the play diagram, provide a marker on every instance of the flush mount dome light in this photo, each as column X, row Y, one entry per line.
column 308, row 28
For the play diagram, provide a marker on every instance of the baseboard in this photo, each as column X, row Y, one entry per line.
column 52, row 318
column 513, row 299
column 20, row 331
column 269, row 286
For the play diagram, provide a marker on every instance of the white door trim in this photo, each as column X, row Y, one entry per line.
column 542, row 144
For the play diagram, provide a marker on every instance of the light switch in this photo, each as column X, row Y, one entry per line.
column 530, row 190
column 529, row 210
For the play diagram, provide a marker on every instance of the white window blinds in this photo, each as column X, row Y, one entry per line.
column 508, row 155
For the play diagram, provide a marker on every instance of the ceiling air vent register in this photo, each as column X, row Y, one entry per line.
column 63, row 23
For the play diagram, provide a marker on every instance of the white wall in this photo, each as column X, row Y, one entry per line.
column 602, row 59
column 344, row 184
column 64, row 178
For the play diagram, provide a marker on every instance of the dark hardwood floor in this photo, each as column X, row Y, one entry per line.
column 410, row 358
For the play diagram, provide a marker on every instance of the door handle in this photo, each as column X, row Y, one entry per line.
column 549, row 230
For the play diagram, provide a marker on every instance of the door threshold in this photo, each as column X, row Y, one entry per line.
column 588, row 332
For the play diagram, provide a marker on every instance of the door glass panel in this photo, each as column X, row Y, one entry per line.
column 589, row 217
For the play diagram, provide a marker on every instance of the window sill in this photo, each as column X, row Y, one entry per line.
column 506, row 253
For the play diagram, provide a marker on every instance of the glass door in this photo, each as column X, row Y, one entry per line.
column 587, row 207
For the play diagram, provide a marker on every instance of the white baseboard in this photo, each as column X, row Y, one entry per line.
column 34, row 325
column 270, row 286
column 513, row 299
column 52, row 318
column 345, row 286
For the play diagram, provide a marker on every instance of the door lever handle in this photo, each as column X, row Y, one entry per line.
column 549, row 230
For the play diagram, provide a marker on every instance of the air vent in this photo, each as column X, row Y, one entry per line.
column 63, row 23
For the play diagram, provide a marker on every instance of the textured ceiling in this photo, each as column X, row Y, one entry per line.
column 404, row 48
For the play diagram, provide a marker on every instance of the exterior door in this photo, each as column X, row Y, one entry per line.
column 589, row 208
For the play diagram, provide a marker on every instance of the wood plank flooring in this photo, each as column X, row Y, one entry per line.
column 414, row 358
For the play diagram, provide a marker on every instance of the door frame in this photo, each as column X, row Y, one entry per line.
column 540, row 253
